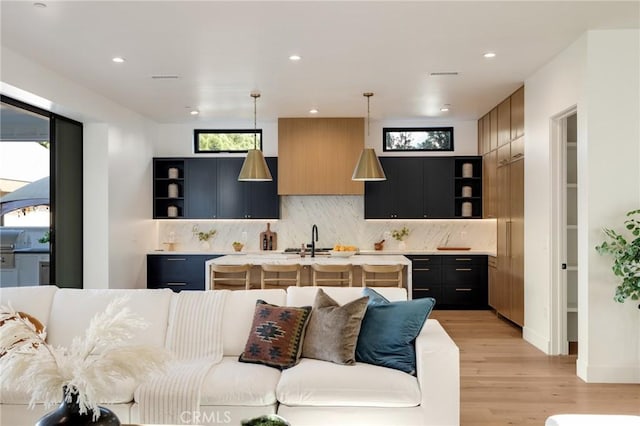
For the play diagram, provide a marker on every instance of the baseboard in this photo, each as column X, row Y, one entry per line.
column 536, row 340
column 608, row 373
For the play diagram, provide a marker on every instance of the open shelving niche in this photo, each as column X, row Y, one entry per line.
column 571, row 228
column 161, row 182
column 474, row 181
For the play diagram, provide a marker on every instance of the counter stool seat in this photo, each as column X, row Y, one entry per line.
column 229, row 277
column 332, row 275
column 387, row 280
column 285, row 276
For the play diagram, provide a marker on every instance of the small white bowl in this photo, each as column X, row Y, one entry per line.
column 342, row 253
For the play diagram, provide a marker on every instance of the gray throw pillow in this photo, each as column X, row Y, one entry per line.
column 332, row 333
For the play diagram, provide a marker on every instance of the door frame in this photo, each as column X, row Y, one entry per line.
column 558, row 292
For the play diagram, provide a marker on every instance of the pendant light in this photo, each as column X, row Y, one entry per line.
column 368, row 167
column 255, row 167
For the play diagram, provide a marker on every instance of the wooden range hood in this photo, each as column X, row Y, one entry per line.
column 316, row 156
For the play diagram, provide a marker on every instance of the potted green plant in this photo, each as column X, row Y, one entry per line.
column 626, row 257
column 237, row 245
column 204, row 237
column 399, row 235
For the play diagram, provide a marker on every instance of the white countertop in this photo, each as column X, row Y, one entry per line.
column 294, row 259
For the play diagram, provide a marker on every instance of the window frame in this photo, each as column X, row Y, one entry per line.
column 387, row 130
column 198, row 132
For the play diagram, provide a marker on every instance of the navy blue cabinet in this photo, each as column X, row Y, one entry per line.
column 177, row 272
column 455, row 281
column 420, row 188
column 209, row 189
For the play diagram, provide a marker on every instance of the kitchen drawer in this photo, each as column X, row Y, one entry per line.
column 177, row 272
column 464, row 260
column 457, row 274
column 426, row 275
column 466, row 296
column 425, row 261
column 434, row 290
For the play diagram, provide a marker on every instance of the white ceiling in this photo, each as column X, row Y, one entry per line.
column 221, row 51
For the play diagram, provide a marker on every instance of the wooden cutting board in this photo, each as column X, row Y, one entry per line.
column 271, row 238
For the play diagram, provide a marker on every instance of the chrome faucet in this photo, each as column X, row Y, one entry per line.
column 314, row 232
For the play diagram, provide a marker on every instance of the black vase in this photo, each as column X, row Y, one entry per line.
column 68, row 413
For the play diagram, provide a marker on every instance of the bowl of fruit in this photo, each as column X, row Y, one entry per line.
column 340, row 250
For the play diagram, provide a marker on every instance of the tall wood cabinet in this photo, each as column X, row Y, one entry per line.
column 502, row 149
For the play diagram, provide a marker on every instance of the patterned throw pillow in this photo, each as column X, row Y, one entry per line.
column 276, row 335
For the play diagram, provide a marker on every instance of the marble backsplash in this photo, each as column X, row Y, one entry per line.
column 340, row 219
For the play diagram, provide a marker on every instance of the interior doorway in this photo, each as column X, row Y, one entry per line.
column 564, row 245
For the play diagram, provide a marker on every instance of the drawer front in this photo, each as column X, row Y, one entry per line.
column 426, row 275
column 425, row 261
column 465, row 296
column 434, row 291
column 177, row 272
column 457, row 274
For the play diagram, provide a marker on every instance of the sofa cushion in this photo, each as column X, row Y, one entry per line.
column 389, row 330
column 319, row 383
column 34, row 300
column 73, row 309
column 302, row 296
column 276, row 336
column 333, row 330
column 235, row 383
column 238, row 314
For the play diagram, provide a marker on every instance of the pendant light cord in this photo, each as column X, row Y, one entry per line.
column 255, row 96
column 368, row 95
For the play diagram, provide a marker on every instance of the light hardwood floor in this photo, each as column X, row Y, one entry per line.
column 506, row 381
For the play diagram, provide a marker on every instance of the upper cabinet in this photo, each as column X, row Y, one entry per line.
column 517, row 113
column 425, row 188
column 208, row 188
column 504, row 122
column 317, row 156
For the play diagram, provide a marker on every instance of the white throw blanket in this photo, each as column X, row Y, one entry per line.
column 194, row 336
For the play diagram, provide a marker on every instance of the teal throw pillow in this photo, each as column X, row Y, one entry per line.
column 389, row 330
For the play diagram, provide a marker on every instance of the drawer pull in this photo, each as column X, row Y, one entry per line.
column 464, row 289
column 421, row 269
column 176, row 284
column 176, row 259
column 464, row 269
column 422, row 259
column 518, row 155
column 421, row 289
column 463, row 259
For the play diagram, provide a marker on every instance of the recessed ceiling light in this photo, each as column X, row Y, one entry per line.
column 313, row 111
column 445, row 108
column 295, row 58
column 194, row 112
column 39, row 5
column 489, row 55
column 118, row 60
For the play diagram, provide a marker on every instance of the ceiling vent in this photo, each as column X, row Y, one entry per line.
column 164, row 77
column 444, row 73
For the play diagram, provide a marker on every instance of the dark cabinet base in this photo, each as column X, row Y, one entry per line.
column 455, row 281
column 177, row 272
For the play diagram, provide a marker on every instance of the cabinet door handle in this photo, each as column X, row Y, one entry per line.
column 464, row 269
column 518, row 155
column 176, row 259
column 463, row 259
column 421, row 269
column 176, row 284
column 509, row 239
column 464, row 289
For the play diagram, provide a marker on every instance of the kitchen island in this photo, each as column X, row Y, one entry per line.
column 257, row 260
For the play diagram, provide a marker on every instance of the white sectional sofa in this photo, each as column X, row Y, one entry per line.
column 310, row 393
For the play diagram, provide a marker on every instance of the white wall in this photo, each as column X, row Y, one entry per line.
column 611, row 330
column 598, row 73
column 118, row 230
column 177, row 139
column 554, row 88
